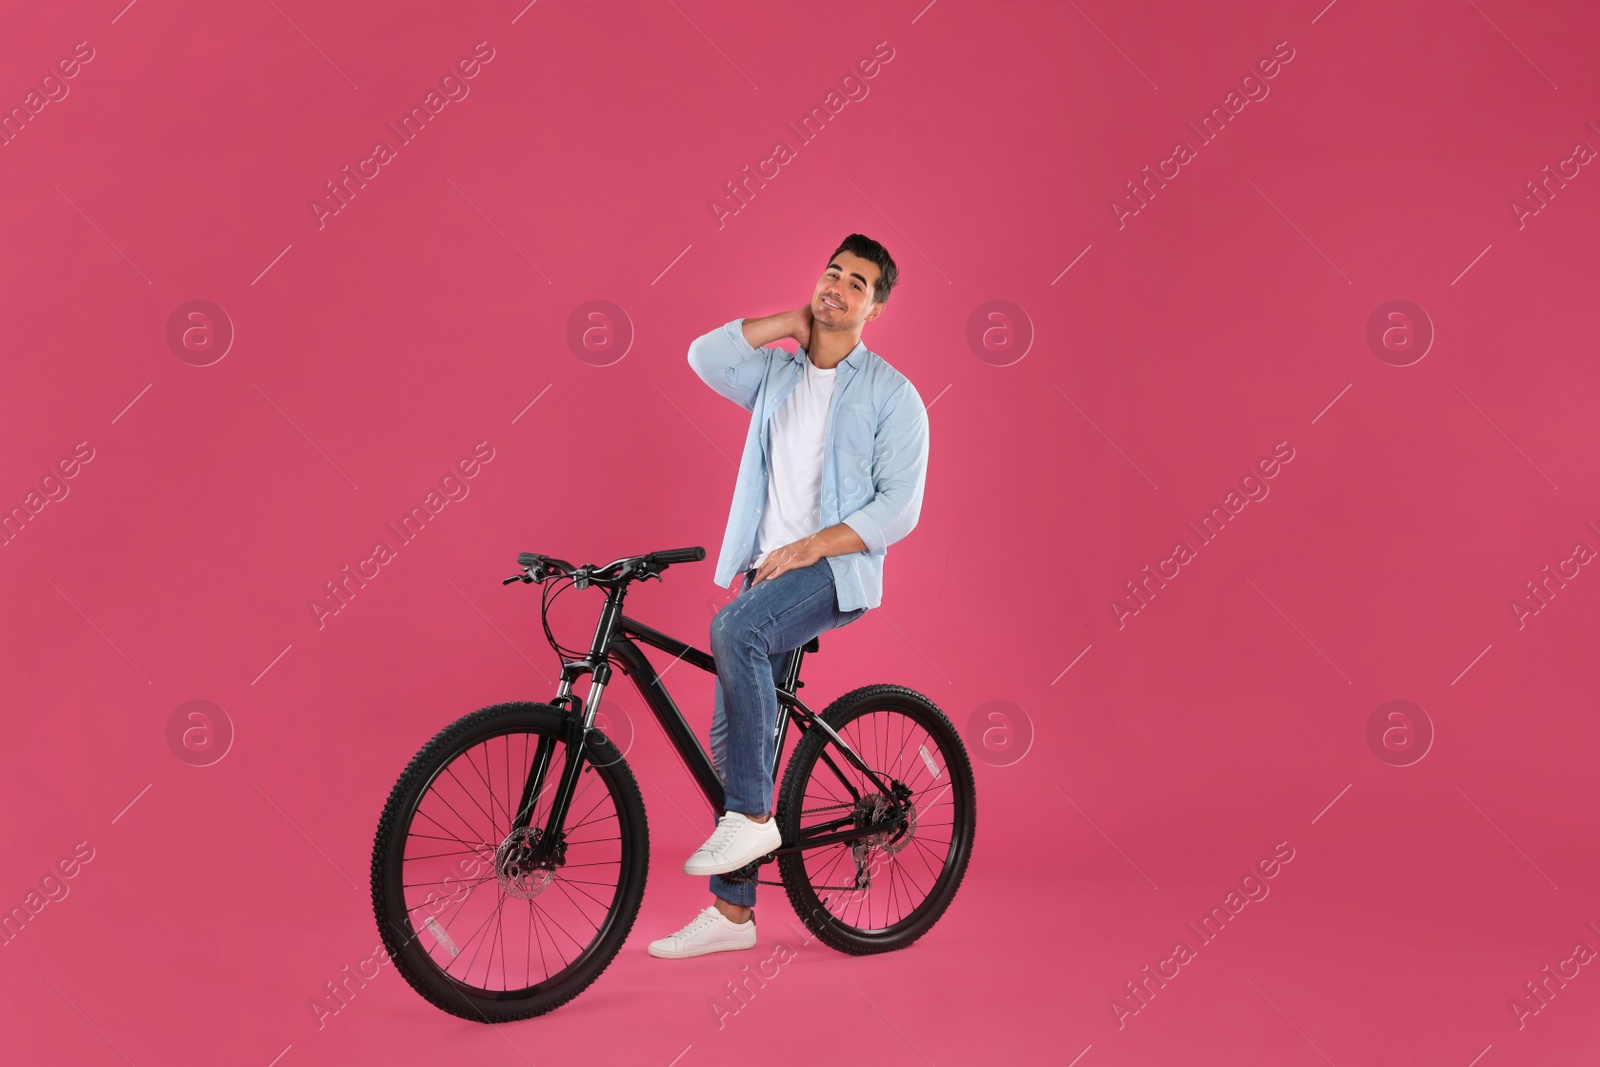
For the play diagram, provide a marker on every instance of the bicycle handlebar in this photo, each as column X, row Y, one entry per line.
column 679, row 555
column 536, row 567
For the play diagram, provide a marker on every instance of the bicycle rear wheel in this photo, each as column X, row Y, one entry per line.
column 474, row 931
column 884, row 891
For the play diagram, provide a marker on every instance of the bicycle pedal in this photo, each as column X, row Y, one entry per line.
column 747, row 873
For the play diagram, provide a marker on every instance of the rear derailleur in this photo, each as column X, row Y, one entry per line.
column 874, row 810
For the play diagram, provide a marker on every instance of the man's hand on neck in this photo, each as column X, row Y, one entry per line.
column 824, row 344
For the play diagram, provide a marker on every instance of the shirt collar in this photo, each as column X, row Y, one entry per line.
column 856, row 357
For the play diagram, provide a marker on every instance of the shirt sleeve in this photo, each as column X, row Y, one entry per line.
column 729, row 364
column 900, row 469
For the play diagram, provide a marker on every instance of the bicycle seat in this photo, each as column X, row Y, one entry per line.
column 811, row 645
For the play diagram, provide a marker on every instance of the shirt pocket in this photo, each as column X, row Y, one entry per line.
column 855, row 430
column 855, row 433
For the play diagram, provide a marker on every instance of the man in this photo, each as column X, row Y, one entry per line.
column 832, row 475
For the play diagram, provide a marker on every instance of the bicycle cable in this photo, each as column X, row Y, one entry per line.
column 552, row 591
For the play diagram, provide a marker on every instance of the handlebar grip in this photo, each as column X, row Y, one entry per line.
column 526, row 559
column 679, row 555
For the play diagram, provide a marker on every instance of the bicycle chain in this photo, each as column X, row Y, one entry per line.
column 830, row 807
column 731, row 876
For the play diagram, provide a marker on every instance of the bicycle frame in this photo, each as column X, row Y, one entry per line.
column 615, row 633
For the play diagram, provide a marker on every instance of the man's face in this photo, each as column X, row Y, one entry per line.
column 843, row 299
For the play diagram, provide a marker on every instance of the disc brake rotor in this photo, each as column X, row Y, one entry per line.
column 870, row 810
column 513, row 865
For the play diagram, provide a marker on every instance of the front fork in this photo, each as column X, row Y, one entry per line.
column 579, row 721
column 549, row 850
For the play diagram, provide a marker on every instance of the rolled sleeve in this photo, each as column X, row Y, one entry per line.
column 722, row 359
column 900, row 470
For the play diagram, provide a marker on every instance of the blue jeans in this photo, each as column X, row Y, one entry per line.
column 751, row 638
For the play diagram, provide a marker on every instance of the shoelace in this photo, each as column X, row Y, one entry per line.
column 696, row 924
column 723, row 833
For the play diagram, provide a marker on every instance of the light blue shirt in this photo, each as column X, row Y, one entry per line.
column 874, row 453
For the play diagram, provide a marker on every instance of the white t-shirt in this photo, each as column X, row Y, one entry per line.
column 794, row 480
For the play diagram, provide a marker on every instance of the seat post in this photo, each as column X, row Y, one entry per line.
column 791, row 674
column 792, row 683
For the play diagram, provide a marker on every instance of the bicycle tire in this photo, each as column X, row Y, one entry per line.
column 797, row 881
column 402, row 940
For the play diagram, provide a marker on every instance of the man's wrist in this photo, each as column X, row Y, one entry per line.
column 837, row 540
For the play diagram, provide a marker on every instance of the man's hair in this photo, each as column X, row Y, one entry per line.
column 861, row 245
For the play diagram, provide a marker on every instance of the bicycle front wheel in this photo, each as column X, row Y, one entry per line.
column 472, row 926
column 884, row 890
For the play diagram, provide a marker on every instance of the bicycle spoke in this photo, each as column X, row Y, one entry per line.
column 500, row 936
column 460, row 905
column 562, row 883
column 544, row 925
column 547, row 918
column 437, row 855
column 452, row 773
column 473, row 937
column 894, row 897
column 441, row 826
column 453, row 811
column 415, row 885
column 483, row 928
column 534, row 926
column 840, row 852
column 494, row 823
column 584, row 821
column 594, row 863
column 499, row 928
column 413, row 835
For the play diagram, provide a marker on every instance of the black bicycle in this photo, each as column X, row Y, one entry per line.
column 511, row 858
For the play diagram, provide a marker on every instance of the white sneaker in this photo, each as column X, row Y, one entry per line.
column 710, row 931
column 736, row 841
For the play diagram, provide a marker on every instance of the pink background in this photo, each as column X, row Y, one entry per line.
column 1230, row 714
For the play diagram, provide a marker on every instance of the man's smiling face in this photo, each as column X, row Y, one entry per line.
column 843, row 299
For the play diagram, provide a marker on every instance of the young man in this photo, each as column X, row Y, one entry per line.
column 831, row 476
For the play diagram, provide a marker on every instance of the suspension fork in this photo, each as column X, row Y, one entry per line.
column 579, row 721
column 535, row 782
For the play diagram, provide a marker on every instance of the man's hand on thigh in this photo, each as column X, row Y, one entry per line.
column 801, row 553
column 835, row 540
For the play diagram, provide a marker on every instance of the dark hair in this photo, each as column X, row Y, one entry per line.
column 861, row 245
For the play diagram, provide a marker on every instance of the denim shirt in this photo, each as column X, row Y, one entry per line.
column 874, row 453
